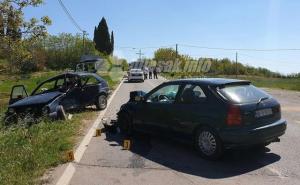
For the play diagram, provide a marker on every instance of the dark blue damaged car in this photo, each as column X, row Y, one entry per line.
column 57, row 95
column 213, row 114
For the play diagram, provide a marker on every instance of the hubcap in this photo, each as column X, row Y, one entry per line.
column 207, row 143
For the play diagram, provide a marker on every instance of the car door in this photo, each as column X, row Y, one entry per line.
column 90, row 89
column 72, row 87
column 191, row 109
column 18, row 92
column 152, row 113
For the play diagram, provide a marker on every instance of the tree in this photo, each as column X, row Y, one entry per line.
column 112, row 42
column 17, row 34
column 1, row 24
column 124, row 64
column 165, row 54
column 102, row 38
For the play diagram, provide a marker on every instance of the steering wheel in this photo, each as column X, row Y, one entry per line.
column 163, row 97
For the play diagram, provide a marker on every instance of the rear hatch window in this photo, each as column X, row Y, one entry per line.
column 256, row 106
column 243, row 93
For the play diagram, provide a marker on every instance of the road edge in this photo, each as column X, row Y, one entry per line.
column 69, row 171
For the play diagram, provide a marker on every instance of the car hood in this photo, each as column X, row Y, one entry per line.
column 36, row 99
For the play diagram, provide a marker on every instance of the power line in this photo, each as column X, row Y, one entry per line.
column 70, row 16
column 264, row 59
column 213, row 48
column 240, row 49
column 145, row 47
column 75, row 24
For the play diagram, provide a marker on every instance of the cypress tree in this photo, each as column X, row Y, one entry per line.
column 112, row 42
column 95, row 35
column 1, row 25
column 102, row 38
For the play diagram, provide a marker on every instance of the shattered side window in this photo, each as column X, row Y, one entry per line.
column 91, row 80
column 46, row 87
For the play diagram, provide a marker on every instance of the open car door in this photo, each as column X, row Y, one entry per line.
column 18, row 92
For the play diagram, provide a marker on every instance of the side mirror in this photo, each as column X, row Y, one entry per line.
column 138, row 98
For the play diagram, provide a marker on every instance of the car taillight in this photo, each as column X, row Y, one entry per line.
column 234, row 116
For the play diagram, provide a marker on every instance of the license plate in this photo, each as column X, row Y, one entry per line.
column 263, row 112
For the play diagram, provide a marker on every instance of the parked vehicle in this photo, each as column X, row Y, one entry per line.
column 212, row 113
column 89, row 63
column 65, row 92
column 136, row 75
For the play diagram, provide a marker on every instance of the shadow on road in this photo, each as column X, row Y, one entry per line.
column 184, row 159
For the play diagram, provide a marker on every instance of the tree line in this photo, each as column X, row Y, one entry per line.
column 223, row 66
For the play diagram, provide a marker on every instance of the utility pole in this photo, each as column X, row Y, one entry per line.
column 83, row 41
column 176, row 51
column 140, row 54
column 236, row 62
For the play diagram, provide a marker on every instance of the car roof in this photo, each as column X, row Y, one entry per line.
column 212, row 81
column 76, row 74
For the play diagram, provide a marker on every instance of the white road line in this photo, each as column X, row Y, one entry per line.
column 70, row 170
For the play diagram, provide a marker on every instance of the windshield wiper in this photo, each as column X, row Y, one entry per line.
column 262, row 99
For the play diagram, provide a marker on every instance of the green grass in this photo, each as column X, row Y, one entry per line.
column 276, row 83
column 25, row 153
column 269, row 82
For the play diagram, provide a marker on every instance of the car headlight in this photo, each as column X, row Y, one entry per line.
column 11, row 110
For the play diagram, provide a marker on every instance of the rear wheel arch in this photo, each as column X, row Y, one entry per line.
column 211, row 124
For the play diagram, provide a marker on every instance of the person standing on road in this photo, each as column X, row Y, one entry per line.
column 146, row 71
column 155, row 73
column 150, row 73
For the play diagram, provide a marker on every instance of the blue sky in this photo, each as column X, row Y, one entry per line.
column 260, row 24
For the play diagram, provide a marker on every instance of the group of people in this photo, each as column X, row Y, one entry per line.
column 150, row 72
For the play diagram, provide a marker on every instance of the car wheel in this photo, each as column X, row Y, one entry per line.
column 10, row 119
column 101, row 102
column 208, row 144
column 125, row 124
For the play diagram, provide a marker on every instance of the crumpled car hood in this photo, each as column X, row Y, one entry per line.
column 36, row 99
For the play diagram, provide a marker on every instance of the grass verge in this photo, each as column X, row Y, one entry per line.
column 25, row 153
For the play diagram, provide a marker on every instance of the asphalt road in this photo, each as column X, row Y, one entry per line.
column 159, row 161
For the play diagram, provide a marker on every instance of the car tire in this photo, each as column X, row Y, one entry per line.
column 208, row 144
column 10, row 119
column 125, row 124
column 101, row 102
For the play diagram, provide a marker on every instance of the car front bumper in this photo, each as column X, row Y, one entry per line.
column 251, row 136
